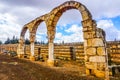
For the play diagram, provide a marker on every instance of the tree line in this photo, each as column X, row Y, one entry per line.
column 15, row 40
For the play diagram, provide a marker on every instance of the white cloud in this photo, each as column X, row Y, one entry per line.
column 42, row 29
column 111, row 31
column 74, row 28
column 41, row 34
column 101, row 9
column 8, row 26
column 58, row 35
column 71, row 16
column 76, row 36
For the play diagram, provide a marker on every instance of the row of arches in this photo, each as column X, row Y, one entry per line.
column 51, row 20
column 93, row 37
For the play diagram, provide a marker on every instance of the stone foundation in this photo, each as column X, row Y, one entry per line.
column 32, row 58
column 20, row 55
column 51, row 63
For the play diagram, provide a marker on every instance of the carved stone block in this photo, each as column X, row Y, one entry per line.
column 97, row 59
column 91, row 65
column 97, row 42
column 101, row 51
column 91, row 51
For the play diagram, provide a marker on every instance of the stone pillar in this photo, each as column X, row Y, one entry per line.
column 32, row 39
column 51, row 35
column 32, row 56
column 51, row 54
column 95, row 49
column 20, row 49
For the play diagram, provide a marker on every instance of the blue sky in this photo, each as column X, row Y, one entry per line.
column 14, row 14
column 116, row 22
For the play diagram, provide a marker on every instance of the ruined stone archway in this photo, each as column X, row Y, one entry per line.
column 94, row 38
column 20, row 50
column 56, row 13
column 32, row 27
column 33, row 32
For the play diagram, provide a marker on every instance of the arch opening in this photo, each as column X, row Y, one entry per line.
column 69, row 28
column 93, row 37
column 41, row 34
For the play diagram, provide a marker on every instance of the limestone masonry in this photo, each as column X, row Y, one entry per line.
column 67, row 51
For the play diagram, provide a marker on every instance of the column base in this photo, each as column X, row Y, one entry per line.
column 97, row 73
column 32, row 58
column 51, row 63
column 100, row 74
column 88, row 72
column 20, row 55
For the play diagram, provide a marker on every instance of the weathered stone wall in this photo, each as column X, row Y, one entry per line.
column 66, row 51
column 69, row 51
column 8, row 47
column 113, row 48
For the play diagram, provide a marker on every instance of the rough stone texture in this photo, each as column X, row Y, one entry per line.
column 101, row 66
column 91, row 65
column 88, row 72
column 32, row 58
column 91, row 51
column 101, row 51
column 20, row 55
column 20, row 50
column 89, row 34
column 97, row 59
column 51, row 63
column 86, row 58
column 100, row 33
column 99, row 73
column 95, row 42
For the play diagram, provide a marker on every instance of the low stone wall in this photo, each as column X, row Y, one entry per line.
column 68, row 51
column 73, row 51
column 113, row 49
column 8, row 47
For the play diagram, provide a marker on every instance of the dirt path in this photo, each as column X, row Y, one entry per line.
column 18, row 69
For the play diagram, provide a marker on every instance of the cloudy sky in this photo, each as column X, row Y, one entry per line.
column 14, row 14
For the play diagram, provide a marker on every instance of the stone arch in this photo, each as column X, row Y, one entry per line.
column 32, row 27
column 20, row 50
column 24, row 29
column 94, row 38
column 33, row 36
column 56, row 13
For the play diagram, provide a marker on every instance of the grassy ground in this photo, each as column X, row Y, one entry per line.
column 12, row 68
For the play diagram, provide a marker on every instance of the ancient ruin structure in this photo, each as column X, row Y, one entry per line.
column 94, row 38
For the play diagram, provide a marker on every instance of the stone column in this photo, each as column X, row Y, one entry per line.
column 32, row 56
column 51, row 51
column 95, row 49
column 51, row 54
column 20, row 49
column 32, row 49
column 50, row 60
column 32, row 39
